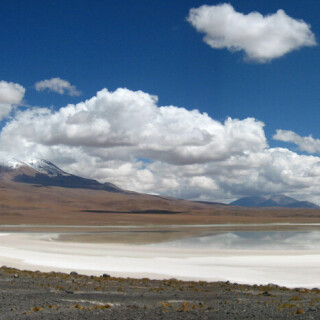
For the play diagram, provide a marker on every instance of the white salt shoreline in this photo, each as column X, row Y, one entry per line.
column 293, row 268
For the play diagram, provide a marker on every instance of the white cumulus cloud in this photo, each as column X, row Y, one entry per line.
column 308, row 144
column 57, row 85
column 131, row 120
column 262, row 38
column 11, row 94
column 124, row 137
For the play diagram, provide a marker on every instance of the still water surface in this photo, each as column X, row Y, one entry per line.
column 286, row 257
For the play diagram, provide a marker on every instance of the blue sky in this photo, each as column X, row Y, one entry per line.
column 151, row 46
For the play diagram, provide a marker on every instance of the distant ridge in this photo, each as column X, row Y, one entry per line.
column 276, row 200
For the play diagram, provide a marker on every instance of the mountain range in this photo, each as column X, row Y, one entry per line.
column 38, row 192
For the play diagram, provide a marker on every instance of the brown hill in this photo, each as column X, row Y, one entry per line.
column 29, row 195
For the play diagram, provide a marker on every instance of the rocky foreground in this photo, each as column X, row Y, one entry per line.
column 36, row 295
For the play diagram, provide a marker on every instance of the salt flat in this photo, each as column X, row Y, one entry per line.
column 290, row 259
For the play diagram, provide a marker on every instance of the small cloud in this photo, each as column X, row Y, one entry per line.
column 57, row 85
column 11, row 94
column 262, row 38
column 307, row 144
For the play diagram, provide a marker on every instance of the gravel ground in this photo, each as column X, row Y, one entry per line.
column 36, row 295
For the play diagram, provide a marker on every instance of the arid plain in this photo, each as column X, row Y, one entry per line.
column 24, row 203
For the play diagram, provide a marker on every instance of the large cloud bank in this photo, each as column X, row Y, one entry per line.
column 124, row 137
column 11, row 94
column 262, row 38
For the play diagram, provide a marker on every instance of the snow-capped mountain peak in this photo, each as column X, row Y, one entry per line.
column 40, row 165
column 46, row 167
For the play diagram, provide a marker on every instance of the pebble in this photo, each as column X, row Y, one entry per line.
column 69, row 292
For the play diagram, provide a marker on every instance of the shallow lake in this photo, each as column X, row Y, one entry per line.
column 285, row 257
column 251, row 240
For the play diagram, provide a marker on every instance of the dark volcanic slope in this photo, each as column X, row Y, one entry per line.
column 35, row 295
column 65, row 181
